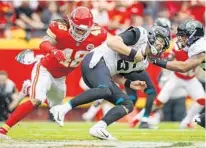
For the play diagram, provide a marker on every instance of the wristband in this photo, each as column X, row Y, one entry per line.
column 161, row 63
column 132, row 54
column 127, row 83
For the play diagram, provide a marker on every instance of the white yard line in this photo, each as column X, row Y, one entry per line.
column 89, row 144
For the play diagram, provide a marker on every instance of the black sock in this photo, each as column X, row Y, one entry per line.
column 114, row 114
column 149, row 102
column 90, row 95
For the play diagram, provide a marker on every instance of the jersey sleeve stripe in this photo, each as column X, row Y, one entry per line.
column 35, row 82
column 50, row 33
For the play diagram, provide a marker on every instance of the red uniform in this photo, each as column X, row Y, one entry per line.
column 181, row 55
column 74, row 51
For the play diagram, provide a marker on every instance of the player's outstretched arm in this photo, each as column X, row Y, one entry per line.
column 116, row 43
column 181, row 66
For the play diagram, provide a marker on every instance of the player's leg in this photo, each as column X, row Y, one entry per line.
column 40, row 84
column 201, row 120
column 94, row 108
column 98, row 79
column 55, row 96
column 166, row 91
column 150, row 91
column 196, row 91
column 132, row 94
column 123, row 106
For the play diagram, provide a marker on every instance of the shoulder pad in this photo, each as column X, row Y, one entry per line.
column 57, row 28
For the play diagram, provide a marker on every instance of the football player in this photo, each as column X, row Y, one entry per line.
column 67, row 42
column 190, row 37
column 124, row 53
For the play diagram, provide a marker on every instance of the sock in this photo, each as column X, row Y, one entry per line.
column 149, row 103
column 19, row 113
column 101, row 124
column 114, row 114
column 193, row 110
column 66, row 107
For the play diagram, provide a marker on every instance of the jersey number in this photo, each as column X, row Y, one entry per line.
column 62, row 27
column 96, row 30
column 78, row 57
column 124, row 65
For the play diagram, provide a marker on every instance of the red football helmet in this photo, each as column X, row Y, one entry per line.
column 81, row 22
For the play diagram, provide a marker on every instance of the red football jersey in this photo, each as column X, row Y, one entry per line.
column 181, row 55
column 74, row 51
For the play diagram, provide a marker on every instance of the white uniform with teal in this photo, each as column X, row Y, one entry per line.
column 115, row 63
column 196, row 48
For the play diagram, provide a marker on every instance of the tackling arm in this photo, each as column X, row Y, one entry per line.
column 182, row 66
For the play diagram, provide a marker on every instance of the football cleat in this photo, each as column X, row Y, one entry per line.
column 101, row 133
column 200, row 120
column 146, row 125
column 58, row 114
column 184, row 125
column 3, row 133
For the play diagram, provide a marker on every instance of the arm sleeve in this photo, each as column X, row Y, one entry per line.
column 130, row 36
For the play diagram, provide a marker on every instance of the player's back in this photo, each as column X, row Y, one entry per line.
column 115, row 62
column 74, row 51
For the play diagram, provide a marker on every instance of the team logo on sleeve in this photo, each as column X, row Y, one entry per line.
column 90, row 46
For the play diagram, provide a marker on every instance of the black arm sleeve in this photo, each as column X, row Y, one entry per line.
column 130, row 36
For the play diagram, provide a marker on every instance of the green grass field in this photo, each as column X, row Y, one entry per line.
column 76, row 133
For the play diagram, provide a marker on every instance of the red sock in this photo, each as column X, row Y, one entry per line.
column 157, row 102
column 19, row 113
column 201, row 101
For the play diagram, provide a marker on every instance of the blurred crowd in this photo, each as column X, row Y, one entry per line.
column 30, row 18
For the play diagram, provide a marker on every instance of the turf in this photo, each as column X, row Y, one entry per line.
column 49, row 131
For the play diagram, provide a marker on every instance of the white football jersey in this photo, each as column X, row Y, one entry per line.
column 196, row 48
column 115, row 63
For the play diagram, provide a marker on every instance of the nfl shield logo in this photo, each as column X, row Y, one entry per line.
column 90, row 46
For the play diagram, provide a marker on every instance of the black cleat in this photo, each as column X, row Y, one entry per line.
column 145, row 125
column 201, row 120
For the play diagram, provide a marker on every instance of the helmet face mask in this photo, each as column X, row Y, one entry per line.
column 158, row 46
column 188, row 32
column 181, row 41
column 81, row 23
column 79, row 33
column 158, row 40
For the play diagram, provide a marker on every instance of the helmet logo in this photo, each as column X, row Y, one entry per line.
column 191, row 27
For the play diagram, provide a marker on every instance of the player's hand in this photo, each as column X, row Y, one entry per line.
column 138, row 57
column 59, row 55
column 138, row 85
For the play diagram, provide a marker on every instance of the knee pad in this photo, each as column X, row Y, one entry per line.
column 105, row 89
column 127, row 105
